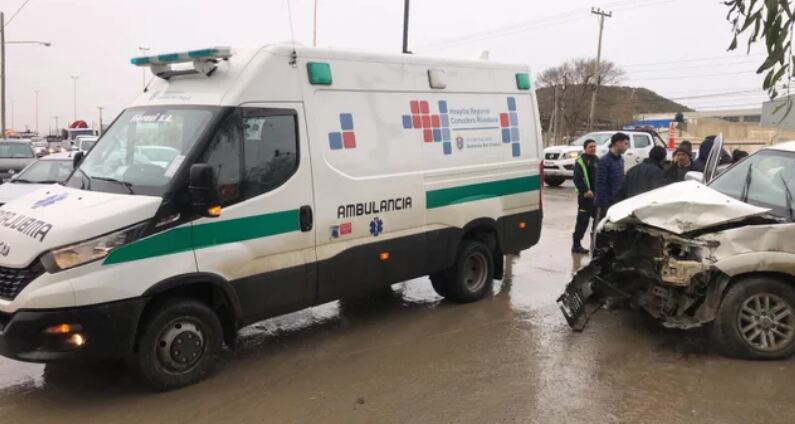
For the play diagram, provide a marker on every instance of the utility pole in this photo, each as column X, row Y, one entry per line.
column 555, row 119
column 36, row 110
column 3, row 74
column 406, row 27
column 143, row 68
column 100, row 120
column 74, row 79
column 12, row 114
column 597, row 66
column 57, row 128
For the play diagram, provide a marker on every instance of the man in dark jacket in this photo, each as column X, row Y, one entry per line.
column 682, row 164
column 646, row 176
column 584, row 177
column 610, row 172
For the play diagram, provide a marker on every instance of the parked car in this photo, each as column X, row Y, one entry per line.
column 40, row 148
column 15, row 155
column 84, row 143
column 48, row 170
column 559, row 160
column 719, row 255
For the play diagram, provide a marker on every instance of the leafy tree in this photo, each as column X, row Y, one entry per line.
column 772, row 21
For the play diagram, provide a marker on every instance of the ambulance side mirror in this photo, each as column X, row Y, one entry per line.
column 204, row 191
column 76, row 159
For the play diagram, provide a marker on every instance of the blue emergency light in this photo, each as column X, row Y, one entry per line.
column 204, row 61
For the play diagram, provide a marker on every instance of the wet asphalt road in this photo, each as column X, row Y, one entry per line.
column 408, row 356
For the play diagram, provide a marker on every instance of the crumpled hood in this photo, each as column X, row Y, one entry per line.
column 10, row 191
column 680, row 208
column 55, row 216
column 562, row 149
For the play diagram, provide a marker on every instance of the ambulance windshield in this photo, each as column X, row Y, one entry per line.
column 143, row 149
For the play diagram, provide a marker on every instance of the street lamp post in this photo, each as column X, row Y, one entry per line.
column 57, row 129
column 74, row 96
column 36, row 111
column 3, row 43
column 100, row 119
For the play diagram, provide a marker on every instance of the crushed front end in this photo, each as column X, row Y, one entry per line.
column 669, row 276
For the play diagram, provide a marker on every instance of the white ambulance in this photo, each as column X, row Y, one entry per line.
column 247, row 184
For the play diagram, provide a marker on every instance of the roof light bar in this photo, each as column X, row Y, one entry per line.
column 204, row 61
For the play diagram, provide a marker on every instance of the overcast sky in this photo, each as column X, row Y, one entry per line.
column 674, row 47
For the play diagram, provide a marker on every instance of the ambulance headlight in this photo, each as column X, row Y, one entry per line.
column 90, row 250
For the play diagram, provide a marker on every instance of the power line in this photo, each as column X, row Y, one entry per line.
column 570, row 15
column 693, row 76
column 705, row 59
column 17, row 12
column 692, row 67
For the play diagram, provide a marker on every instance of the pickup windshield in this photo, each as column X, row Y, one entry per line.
column 600, row 139
column 765, row 179
column 143, row 149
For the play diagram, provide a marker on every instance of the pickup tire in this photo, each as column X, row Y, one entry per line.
column 756, row 319
column 179, row 344
column 554, row 181
column 471, row 277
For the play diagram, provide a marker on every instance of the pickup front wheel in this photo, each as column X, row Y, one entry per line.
column 756, row 319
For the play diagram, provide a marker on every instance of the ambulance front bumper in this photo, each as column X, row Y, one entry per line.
column 45, row 335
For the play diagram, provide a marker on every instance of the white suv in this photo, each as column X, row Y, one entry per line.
column 559, row 160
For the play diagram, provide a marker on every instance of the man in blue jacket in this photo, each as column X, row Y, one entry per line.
column 584, row 178
column 610, row 173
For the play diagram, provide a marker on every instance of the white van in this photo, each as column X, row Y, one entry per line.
column 248, row 184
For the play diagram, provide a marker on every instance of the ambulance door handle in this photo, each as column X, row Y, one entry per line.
column 306, row 218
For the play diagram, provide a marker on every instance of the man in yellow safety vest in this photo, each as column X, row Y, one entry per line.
column 584, row 177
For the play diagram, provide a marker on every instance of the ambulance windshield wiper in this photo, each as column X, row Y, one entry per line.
column 126, row 185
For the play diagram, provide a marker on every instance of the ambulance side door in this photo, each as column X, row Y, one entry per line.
column 264, row 241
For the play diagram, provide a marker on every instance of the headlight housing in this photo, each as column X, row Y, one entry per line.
column 572, row 155
column 90, row 250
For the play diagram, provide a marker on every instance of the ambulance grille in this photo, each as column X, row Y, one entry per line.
column 13, row 280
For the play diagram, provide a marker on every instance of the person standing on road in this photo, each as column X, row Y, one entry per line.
column 610, row 173
column 682, row 164
column 647, row 176
column 584, row 176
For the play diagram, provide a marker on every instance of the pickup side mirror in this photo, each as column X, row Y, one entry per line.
column 77, row 158
column 203, row 191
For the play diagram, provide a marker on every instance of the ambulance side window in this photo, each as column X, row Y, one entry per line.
column 224, row 156
column 270, row 149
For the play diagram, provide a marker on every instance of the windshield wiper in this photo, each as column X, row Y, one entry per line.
column 87, row 186
column 788, row 199
column 126, row 185
column 747, row 186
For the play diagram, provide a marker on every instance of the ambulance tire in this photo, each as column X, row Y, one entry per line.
column 471, row 277
column 160, row 363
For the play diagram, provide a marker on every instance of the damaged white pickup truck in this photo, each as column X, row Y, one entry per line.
column 721, row 255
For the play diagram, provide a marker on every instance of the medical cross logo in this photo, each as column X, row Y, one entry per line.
column 509, row 125
column 435, row 127
column 345, row 139
column 376, row 227
column 49, row 200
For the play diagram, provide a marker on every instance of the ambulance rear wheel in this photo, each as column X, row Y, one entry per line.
column 179, row 344
column 554, row 181
column 471, row 277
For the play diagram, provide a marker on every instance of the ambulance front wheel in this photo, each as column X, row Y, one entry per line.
column 471, row 277
column 179, row 344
